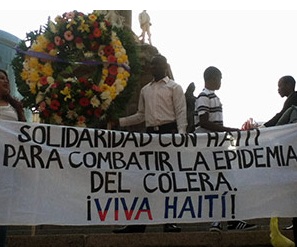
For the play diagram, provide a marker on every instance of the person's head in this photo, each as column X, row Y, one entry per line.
column 159, row 67
column 286, row 85
column 212, row 78
column 4, row 84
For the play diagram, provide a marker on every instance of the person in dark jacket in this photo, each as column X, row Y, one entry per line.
column 286, row 88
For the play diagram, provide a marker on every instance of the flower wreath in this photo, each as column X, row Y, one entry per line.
column 74, row 69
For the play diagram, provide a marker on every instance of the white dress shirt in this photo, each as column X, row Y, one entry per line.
column 160, row 103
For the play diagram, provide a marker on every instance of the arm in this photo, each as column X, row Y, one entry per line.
column 206, row 124
column 291, row 100
column 136, row 118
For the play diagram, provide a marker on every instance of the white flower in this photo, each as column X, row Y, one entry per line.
column 52, row 26
column 39, row 97
column 71, row 115
column 57, row 118
column 95, row 102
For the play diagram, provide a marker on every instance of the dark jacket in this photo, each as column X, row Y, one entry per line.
column 291, row 100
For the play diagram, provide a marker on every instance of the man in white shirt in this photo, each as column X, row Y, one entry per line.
column 162, row 103
column 162, row 106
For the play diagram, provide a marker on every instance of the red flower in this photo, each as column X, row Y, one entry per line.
column 95, row 88
column 83, row 80
column 111, row 59
column 90, row 112
column 55, row 85
column 50, row 46
column 109, row 80
column 58, row 41
column 95, row 24
column 45, row 113
column 97, row 112
column 55, row 105
column 94, row 46
column 108, row 50
column 43, row 80
column 71, row 105
column 68, row 35
column 113, row 70
column 84, row 102
column 97, row 32
column 78, row 40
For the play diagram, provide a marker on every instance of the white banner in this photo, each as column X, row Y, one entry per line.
column 77, row 176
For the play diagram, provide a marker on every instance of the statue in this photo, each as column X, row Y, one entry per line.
column 115, row 18
column 145, row 23
column 190, row 99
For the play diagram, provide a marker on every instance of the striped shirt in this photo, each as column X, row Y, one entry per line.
column 208, row 102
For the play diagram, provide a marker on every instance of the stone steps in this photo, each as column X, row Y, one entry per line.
column 192, row 235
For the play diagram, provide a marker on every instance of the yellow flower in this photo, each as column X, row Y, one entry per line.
column 40, row 44
column 120, row 60
column 37, row 47
column 104, row 87
column 124, row 83
column 32, row 87
column 42, row 40
column 47, row 69
column 34, row 76
column 92, row 17
column 67, row 92
column 71, row 115
column 71, row 23
column 53, row 52
column 126, row 74
column 89, row 93
column 120, row 76
column 32, row 62
column 113, row 93
column 24, row 75
column 84, row 27
column 105, row 72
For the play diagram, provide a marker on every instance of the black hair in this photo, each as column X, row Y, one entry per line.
column 160, row 58
column 211, row 73
column 289, row 80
